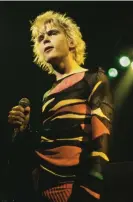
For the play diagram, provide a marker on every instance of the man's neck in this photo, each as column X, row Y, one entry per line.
column 61, row 76
column 67, row 67
column 73, row 70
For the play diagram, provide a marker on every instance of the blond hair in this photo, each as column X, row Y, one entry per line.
column 69, row 27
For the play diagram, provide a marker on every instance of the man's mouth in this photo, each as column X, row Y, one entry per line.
column 47, row 49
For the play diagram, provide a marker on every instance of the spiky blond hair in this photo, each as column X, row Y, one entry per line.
column 69, row 27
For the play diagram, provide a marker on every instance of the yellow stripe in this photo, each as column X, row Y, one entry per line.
column 99, row 112
column 70, row 116
column 46, row 94
column 101, row 154
column 50, row 171
column 46, row 139
column 61, row 139
column 44, row 106
column 66, row 102
column 76, row 138
column 94, row 89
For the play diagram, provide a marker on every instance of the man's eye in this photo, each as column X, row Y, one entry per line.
column 53, row 32
column 40, row 38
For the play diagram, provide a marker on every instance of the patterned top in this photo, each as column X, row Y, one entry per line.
column 77, row 116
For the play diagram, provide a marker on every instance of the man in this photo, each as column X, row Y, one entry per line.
column 76, row 111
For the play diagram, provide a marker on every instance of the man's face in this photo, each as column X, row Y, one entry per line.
column 53, row 43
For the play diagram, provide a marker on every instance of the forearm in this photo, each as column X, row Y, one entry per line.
column 23, row 146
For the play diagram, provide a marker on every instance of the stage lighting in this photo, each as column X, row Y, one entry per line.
column 112, row 72
column 132, row 65
column 124, row 61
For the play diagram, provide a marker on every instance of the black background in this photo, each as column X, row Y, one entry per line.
column 107, row 28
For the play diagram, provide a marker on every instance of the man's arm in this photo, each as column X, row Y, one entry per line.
column 100, row 101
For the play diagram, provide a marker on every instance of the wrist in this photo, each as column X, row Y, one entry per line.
column 24, row 127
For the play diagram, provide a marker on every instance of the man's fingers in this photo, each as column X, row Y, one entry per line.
column 19, row 115
column 12, row 119
column 18, row 108
column 17, row 123
column 16, row 113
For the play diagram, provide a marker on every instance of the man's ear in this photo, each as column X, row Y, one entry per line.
column 71, row 44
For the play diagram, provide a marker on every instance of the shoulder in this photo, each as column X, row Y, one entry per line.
column 93, row 76
column 101, row 76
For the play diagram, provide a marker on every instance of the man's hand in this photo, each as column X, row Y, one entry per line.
column 19, row 117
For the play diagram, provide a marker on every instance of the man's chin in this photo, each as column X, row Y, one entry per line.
column 58, row 69
column 53, row 60
column 49, row 59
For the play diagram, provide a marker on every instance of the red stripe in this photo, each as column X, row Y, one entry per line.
column 98, row 128
column 57, row 195
column 76, row 108
column 61, row 156
column 60, row 193
column 68, row 82
column 94, row 194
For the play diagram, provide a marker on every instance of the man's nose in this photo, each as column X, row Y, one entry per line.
column 46, row 39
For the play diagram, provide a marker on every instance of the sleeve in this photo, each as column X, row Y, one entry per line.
column 22, row 161
column 22, row 149
column 101, row 104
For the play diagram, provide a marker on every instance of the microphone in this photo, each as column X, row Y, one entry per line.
column 24, row 102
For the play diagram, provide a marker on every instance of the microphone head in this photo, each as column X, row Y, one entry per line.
column 24, row 102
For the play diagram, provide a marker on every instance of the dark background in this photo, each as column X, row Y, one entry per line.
column 107, row 29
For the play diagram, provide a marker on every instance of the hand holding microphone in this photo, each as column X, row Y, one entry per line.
column 19, row 115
